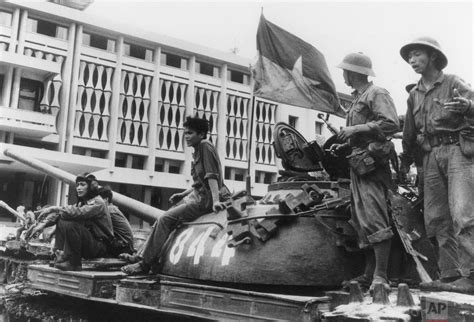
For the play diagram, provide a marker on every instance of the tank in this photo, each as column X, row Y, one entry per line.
column 297, row 236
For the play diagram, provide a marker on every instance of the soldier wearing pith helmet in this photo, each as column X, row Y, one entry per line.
column 371, row 119
column 439, row 123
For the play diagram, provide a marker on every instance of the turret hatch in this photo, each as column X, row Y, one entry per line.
column 294, row 151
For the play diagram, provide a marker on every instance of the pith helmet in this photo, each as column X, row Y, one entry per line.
column 358, row 63
column 429, row 42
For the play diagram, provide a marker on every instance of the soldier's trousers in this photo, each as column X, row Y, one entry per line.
column 76, row 241
column 449, row 207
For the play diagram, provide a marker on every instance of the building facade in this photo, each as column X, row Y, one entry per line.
column 85, row 94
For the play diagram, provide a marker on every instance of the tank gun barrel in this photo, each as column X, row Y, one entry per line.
column 141, row 210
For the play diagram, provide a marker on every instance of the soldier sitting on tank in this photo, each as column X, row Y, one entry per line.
column 123, row 241
column 50, row 219
column 84, row 230
column 29, row 222
column 202, row 198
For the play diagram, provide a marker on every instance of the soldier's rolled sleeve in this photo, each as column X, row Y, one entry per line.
column 386, row 120
column 210, row 164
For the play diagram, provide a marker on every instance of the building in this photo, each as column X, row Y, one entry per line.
column 86, row 94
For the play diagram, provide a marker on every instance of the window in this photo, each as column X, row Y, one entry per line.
column 174, row 61
column 47, row 28
column 89, row 152
column 98, row 41
column 318, row 128
column 238, row 77
column 292, row 121
column 168, row 166
column 207, row 69
column 234, row 174
column 5, row 18
column 31, row 92
column 123, row 160
column 138, row 52
column 120, row 160
column 138, row 162
column 264, row 177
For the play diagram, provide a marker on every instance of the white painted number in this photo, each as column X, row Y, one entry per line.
column 196, row 248
column 178, row 246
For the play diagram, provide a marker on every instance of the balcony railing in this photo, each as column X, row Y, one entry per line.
column 27, row 123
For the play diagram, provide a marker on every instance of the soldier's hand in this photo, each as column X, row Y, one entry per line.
column 458, row 104
column 176, row 197
column 346, row 132
column 218, row 206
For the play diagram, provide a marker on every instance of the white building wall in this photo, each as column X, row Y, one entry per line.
column 126, row 113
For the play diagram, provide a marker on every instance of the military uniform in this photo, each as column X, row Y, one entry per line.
column 448, row 173
column 206, row 165
column 374, row 108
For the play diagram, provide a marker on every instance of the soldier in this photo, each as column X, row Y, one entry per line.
column 84, row 229
column 440, row 123
column 371, row 119
column 202, row 198
column 123, row 242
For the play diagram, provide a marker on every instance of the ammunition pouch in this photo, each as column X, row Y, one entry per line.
column 466, row 142
column 381, row 151
column 361, row 162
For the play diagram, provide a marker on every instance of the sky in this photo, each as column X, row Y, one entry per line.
column 336, row 28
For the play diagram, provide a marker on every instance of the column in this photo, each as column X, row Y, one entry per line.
column 7, row 87
column 22, row 31
column 114, row 104
column 69, row 129
column 221, row 116
column 154, row 97
column 15, row 94
column 190, row 102
column 66, row 106
column 15, row 27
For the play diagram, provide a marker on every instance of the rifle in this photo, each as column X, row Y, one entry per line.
column 332, row 203
column 406, row 241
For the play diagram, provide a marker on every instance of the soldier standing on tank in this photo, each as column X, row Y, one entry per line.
column 371, row 119
column 439, row 123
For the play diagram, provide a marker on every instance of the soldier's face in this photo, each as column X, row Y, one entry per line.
column 420, row 60
column 81, row 189
column 192, row 137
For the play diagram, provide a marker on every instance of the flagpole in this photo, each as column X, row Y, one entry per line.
column 248, row 179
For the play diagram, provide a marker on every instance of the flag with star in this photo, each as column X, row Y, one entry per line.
column 291, row 71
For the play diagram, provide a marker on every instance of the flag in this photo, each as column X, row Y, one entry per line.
column 291, row 71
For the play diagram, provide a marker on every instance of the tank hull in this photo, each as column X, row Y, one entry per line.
column 304, row 251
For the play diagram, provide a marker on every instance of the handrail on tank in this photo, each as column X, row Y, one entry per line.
column 139, row 209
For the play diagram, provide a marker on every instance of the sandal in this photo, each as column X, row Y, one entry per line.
column 379, row 279
column 136, row 268
column 132, row 259
column 363, row 280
